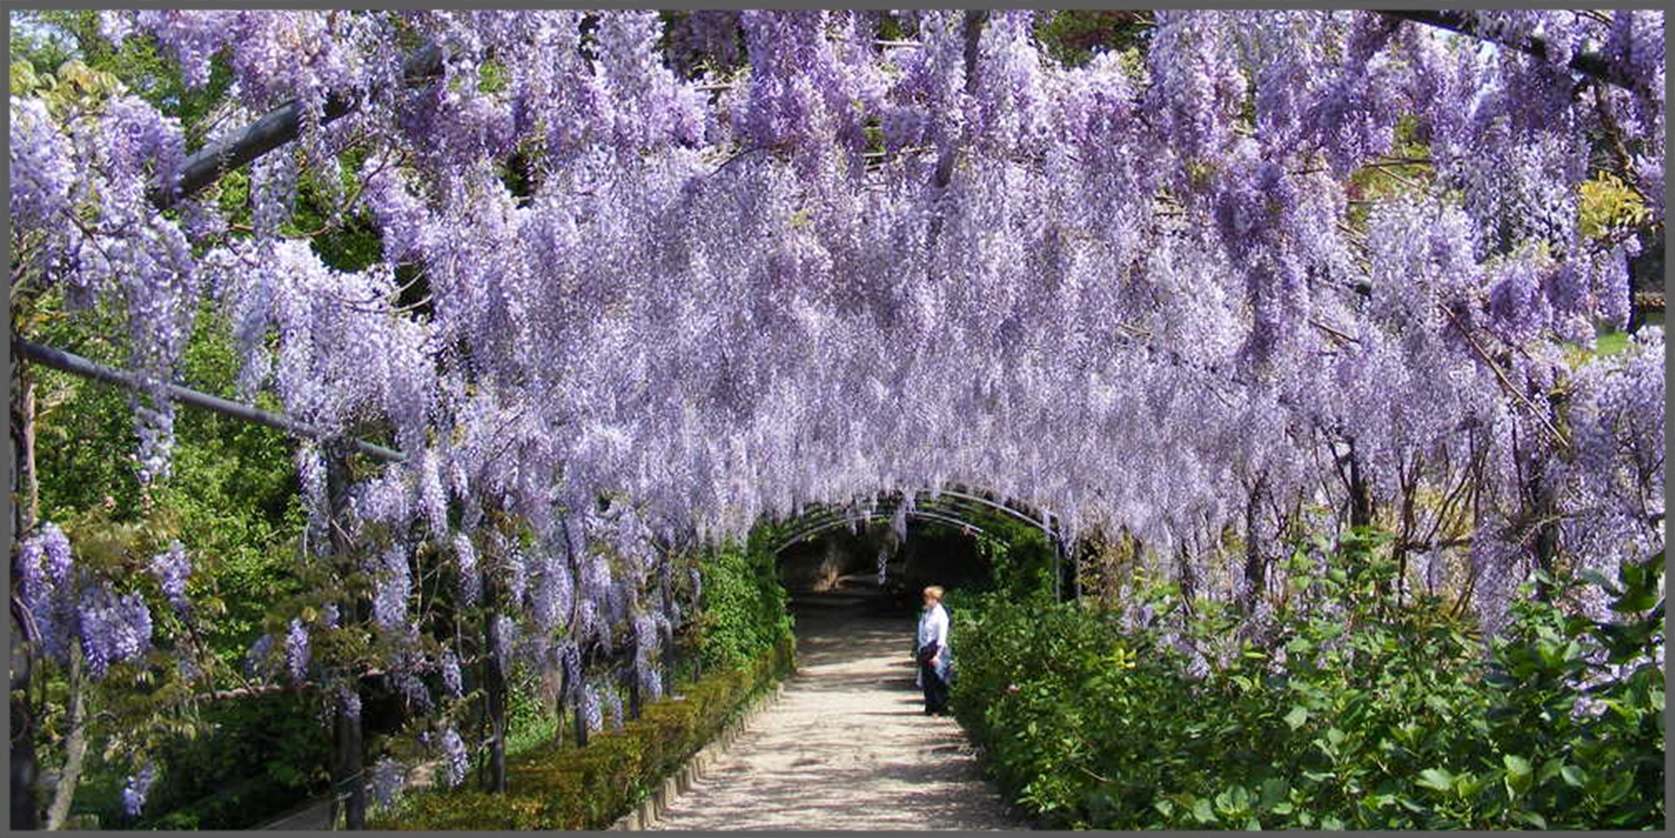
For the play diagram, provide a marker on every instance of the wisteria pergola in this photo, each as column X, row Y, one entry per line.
column 1277, row 271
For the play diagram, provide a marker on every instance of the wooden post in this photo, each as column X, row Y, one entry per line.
column 580, row 699
column 349, row 763
column 633, row 670
column 1360, row 496
column 1058, row 570
column 494, row 684
column 1186, row 575
column 25, row 814
column 1253, row 557
column 575, row 690
column 25, row 769
column 349, row 766
column 670, row 660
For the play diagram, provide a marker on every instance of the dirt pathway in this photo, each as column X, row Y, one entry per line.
column 848, row 745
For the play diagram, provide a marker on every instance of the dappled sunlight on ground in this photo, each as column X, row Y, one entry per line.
column 848, row 745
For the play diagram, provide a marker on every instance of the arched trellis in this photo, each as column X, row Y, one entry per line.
column 875, row 516
column 930, row 504
column 956, row 501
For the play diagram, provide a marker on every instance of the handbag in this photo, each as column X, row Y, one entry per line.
column 927, row 653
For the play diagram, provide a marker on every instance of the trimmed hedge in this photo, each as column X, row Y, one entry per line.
column 566, row 787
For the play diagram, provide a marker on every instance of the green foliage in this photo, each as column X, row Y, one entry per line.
column 260, row 755
column 1607, row 205
column 1376, row 713
column 1020, row 556
column 566, row 787
column 1072, row 36
column 48, row 38
column 232, row 499
column 743, row 604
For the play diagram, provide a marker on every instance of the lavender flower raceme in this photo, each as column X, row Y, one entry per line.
column 135, row 789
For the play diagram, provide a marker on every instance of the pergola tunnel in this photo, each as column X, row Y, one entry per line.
column 459, row 419
column 904, row 542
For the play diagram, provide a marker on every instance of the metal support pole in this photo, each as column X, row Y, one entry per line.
column 77, row 365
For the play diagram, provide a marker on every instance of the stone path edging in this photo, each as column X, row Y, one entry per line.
column 697, row 767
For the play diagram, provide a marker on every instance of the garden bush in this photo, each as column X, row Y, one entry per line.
column 1351, row 709
column 569, row 787
column 743, row 603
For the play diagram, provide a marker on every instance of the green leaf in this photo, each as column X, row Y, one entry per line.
column 1518, row 775
column 1240, row 798
column 1573, row 776
column 1201, row 810
column 1298, row 716
column 1635, row 601
column 1619, row 788
column 1436, row 779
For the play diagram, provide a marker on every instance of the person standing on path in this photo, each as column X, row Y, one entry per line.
column 931, row 651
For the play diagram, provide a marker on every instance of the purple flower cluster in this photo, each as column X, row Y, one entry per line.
column 45, row 565
column 413, row 690
column 257, row 659
column 470, row 586
column 451, row 675
column 135, row 789
column 43, row 175
column 172, row 567
column 591, row 708
column 613, row 707
column 388, row 778
column 114, row 628
column 296, row 650
column 349, row 702
column 458, row 760
column 394, row 584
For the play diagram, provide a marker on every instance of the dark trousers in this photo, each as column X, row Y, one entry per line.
column 936, row 689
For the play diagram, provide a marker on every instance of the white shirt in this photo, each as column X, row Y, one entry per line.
column 933, row 628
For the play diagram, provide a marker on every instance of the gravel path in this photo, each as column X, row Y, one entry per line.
column 848, row 745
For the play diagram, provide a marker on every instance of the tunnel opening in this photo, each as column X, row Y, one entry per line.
column 876, row 558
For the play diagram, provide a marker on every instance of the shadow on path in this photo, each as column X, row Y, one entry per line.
column 847, row 746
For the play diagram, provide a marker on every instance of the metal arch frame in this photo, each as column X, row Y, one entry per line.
column 1043, row 524
column 952, row 501
column 876, row 516
column 1048, row 523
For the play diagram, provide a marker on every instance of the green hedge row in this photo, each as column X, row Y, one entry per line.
column 566, row 787
column 1358, row 709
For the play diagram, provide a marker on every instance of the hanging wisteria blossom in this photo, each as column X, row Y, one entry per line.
column 663, row 281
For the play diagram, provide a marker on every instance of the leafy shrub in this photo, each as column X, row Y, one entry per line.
column 566, row 787
column 743, row 604
column 1356, row 709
